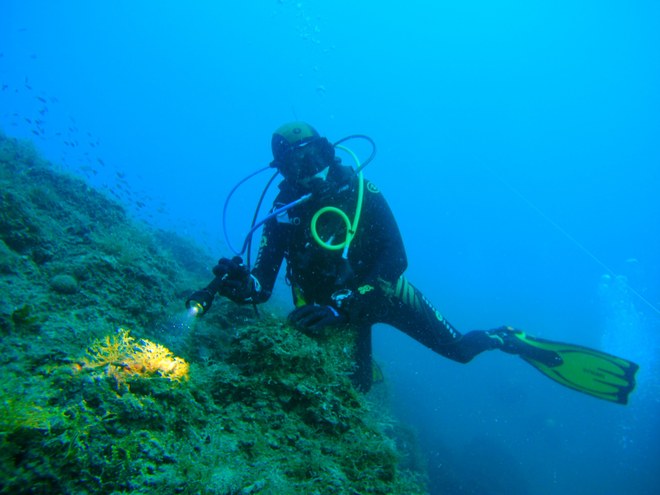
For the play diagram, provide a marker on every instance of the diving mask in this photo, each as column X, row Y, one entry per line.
column 305, row 160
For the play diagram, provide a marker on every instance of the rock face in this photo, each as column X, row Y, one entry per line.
column 262, row 408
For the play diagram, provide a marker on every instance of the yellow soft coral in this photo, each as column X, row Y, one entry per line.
column 122, row 356
column 111, row 350
column 150, row 358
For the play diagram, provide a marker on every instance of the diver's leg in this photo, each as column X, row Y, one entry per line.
column 362, row 377
column 411, row 312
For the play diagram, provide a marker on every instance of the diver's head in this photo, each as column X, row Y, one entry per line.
column 300, row 153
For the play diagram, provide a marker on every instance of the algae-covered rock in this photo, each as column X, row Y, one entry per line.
column 229, row 404
column 64, row 284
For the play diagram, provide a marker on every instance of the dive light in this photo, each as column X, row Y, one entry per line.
column 200, row 301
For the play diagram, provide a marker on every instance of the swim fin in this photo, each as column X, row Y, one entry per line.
column 583, row 369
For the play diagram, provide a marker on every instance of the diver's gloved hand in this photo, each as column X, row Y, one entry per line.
column 237, row 283
column 313, row 318
column 230, row 269
column 240, row 291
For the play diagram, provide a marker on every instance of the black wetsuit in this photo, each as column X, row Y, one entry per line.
column 374, row 274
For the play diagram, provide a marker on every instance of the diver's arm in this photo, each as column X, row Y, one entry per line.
column 269, row 260
column 382, row 239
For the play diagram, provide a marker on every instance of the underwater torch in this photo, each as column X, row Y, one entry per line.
column 200, row 301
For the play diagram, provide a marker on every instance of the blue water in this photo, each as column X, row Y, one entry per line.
column 517, row 146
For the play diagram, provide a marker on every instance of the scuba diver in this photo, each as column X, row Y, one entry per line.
column 347, row 271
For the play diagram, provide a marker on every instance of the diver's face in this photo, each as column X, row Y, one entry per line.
column 303, row 164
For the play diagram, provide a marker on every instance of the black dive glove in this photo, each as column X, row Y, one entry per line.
column 313, row 318
column 237, row 283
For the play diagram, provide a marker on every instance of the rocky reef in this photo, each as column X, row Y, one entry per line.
column 107, row 386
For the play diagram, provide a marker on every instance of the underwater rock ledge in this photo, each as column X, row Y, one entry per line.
column 258, row 408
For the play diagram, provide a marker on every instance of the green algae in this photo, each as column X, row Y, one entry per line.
column 266, row 409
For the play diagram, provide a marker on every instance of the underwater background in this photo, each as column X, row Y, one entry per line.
column 517, row 146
